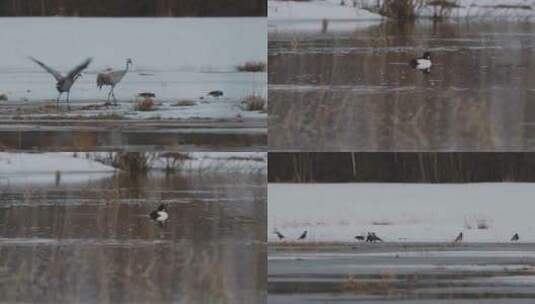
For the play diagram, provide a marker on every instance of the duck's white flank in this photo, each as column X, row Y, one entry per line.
column 162, row 216
column 423, row 63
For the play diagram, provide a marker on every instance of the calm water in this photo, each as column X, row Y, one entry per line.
column 128, row 135
column 403, row 273
column 350, row 88
column 92, row 241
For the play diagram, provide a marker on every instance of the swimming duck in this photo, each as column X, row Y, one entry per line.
column 422, row 63
column 160, row 215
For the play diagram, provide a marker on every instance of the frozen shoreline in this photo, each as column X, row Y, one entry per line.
column 317, row 9
column 365, row 10
column 402, row 212
column 44, row 167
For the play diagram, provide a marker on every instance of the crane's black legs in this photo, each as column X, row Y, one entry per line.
column 57, row 100
column 68, row 100
column 112, row 93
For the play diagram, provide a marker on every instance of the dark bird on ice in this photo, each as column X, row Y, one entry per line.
column 515, row 237
column 303, row 235
column 160, row 215
column 360, row 237
column 64, row 83
column 459, row 238
column 112, row 79
column 372, row 237
column 216, row 93
column 278, row 234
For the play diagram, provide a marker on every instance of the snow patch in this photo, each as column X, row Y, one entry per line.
column 402, row 212
column 317, row 9
column 43, row 168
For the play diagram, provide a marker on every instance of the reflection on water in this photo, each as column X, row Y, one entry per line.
column 92, row 242
column 353, row 90
column 408, row 273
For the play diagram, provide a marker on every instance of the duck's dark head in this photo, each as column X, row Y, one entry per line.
column 427, row 55
column 162, row 207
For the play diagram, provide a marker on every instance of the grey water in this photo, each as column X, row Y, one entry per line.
column 348, row 86
column 402, row 273
column 65, row 240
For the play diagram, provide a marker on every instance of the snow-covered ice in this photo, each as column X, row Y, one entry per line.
column 489, row 9
column 175, row 58
column 484, row 212
column 42, row 167
column 221, row 162
column 317, row 9
column 367, row 9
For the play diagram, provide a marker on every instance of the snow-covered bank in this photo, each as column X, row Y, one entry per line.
column 367, row 9
column 317, row 9
column 486, row 212
column 44, row 167
column 488, row 9
column 75, row 167
column 220, row 162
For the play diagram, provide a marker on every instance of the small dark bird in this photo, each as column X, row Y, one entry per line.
column 423, row 63
column 64, row 83
column 216, row 93
column 279, row 235
column 160, row 215
column 372, row 237
column 146, row 95
column 303, row 235
column 515, row 237
column 459, row 238
column 360, row 237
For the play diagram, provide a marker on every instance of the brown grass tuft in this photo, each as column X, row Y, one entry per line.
column 252, row 66
column 254, row 103
column 145, row 105
column 185, row 103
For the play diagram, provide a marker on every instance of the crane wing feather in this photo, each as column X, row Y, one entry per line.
column 79, row 68
column 55, row 73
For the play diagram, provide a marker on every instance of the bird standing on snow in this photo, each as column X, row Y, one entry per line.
column 515, row 237
column 279, row 235
column 423, row 63
column 112, row 79
column 303, row 235
column 64, row 83
column 160, row 215
column 459, row 238
column 372, row 237
column 216, row 93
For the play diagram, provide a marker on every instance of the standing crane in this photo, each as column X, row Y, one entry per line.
column 112, row 79
column 64, row 83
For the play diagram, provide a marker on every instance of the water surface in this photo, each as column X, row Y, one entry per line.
column 351, row 89
column 404, row 273
column 92, row 241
